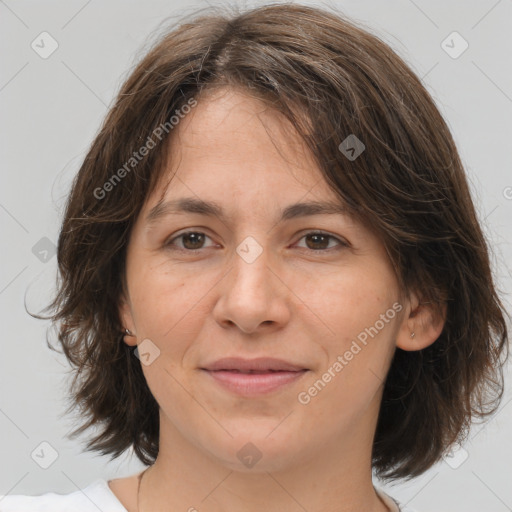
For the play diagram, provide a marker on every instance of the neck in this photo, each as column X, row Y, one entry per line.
column 334, row 479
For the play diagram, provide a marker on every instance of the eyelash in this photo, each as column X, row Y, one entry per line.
column 341, row 244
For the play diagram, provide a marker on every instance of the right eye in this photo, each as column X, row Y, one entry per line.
column 191, row 241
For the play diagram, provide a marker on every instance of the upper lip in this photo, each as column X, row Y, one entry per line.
column 258, row 364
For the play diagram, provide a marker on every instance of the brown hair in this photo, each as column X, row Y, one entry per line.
column 331, row 79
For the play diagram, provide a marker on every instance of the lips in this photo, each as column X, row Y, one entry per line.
column 258, row 365
column 253, row 376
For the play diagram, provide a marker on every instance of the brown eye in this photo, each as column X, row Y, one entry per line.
column 318, row 241
column 193, row 240
column 190, row 241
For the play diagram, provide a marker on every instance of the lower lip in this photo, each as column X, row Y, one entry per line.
column 254, row 383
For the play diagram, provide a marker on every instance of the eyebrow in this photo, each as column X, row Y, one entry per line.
column 213, row 209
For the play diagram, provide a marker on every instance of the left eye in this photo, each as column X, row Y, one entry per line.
column 321, row 240
column 315, row 241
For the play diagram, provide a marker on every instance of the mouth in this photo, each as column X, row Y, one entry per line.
column 253, row 376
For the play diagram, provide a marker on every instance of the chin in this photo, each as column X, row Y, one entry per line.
column 256, row 451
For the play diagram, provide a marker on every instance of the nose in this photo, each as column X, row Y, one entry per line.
column 253, row 296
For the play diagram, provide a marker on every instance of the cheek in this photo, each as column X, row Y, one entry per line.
column 349, row 295
column 356, row 304
column 160, row 295
column 171, row 307
column 357, row 358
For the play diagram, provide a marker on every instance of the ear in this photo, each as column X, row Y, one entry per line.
column 126, row 317
column 420, row 325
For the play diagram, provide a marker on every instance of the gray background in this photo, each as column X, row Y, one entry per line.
column 50, row 111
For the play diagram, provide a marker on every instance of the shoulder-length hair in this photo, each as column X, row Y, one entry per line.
column 331, row 79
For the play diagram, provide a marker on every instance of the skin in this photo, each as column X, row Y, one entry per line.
column 301, row 300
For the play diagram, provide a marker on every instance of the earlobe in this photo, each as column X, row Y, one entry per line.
column 125, row 315
column 129, row 338
column 421, row 327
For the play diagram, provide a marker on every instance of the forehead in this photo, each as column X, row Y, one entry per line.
column 233, row 147
column 230, row 125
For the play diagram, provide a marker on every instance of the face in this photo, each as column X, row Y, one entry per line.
column 314, row 290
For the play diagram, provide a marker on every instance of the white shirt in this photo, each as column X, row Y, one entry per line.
column 98, row 496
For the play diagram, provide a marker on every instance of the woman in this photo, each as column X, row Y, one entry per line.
column 273, row 281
